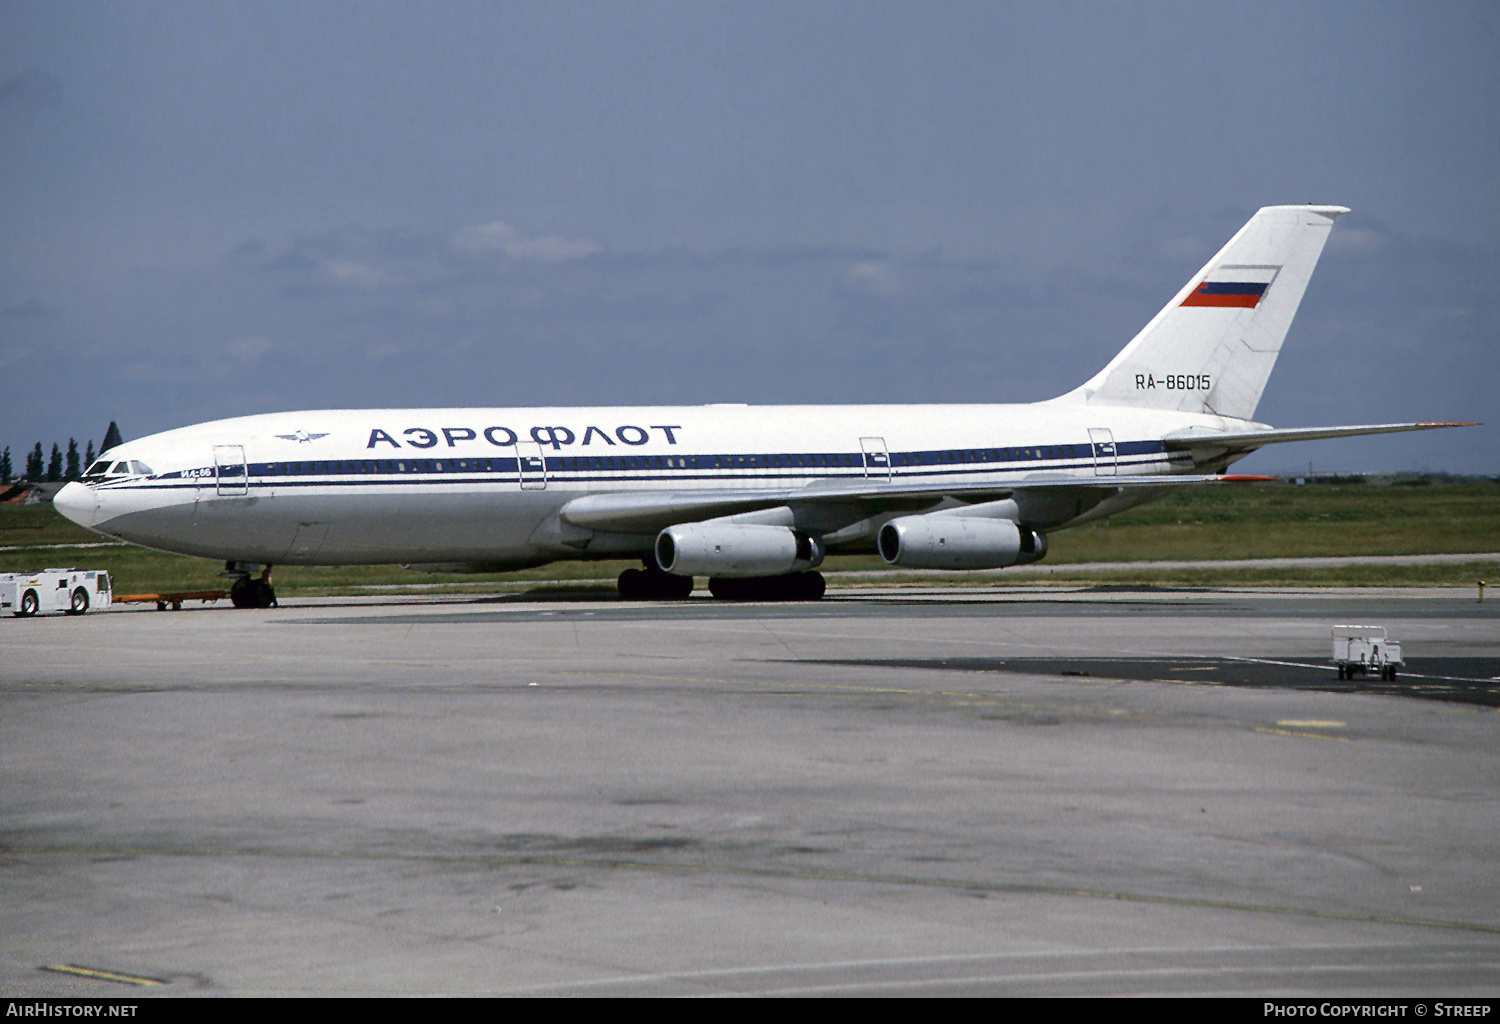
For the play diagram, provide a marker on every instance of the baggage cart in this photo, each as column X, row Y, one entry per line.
column 1365, row 649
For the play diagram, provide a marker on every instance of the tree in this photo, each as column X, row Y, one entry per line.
column 88, row 456
column 72, row 470
column 55, row 465
column 35, row 467
column 5, row 467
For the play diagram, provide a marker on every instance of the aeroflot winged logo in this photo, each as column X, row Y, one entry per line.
column 302, row 436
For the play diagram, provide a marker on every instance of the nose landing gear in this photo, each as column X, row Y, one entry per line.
column 247, row 591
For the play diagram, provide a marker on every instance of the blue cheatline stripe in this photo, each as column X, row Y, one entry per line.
column 954, row 462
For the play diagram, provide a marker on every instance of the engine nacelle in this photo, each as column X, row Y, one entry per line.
column 734, row 549
column 958, row 542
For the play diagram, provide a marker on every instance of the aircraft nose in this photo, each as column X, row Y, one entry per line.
column 77, row 503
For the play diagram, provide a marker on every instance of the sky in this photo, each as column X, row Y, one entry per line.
column 211, row 210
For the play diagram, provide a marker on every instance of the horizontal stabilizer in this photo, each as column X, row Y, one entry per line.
column 1250, row 440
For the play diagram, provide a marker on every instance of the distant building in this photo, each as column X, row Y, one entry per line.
column 23, row 492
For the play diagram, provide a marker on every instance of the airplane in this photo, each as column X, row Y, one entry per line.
column 752, row 497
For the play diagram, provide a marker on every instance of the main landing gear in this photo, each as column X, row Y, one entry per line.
column 794, row 586
column 651, row 584
column 247, row 591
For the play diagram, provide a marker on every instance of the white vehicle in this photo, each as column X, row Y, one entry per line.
column 752, row 497
column 74, row 591
column 1363, row 649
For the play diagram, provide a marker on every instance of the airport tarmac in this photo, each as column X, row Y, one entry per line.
column 997, row 791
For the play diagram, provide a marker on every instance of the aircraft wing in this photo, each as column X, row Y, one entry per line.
column 650, row 511
column 1250, row 440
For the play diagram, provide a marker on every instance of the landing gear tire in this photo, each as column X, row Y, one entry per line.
column 632, row 585
column 796, row 586
column 239, row 593
column 80, row 602
column 653, row 585
column 248, row 593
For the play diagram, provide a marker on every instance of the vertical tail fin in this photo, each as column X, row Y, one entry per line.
column 1212, row 348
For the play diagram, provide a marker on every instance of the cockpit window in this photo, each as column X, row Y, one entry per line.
column 110, row 468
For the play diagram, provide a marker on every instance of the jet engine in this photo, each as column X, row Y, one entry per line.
column 735, row 549
column 959, row 542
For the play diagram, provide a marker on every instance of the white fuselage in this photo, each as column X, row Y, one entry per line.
column 483, row 487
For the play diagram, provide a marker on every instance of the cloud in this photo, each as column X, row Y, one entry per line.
column 422, row 263
column 497, row 236
column 873, row 278
column 354, row 274
column 1356, row 241
column 248, row 349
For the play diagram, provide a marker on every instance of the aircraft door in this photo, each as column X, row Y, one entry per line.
column 531, row 465
column 230, row 475
column 877, row 458
column 1106, row 460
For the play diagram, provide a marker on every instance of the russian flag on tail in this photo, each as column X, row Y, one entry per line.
column 1232, row 287
column 1244, row 294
